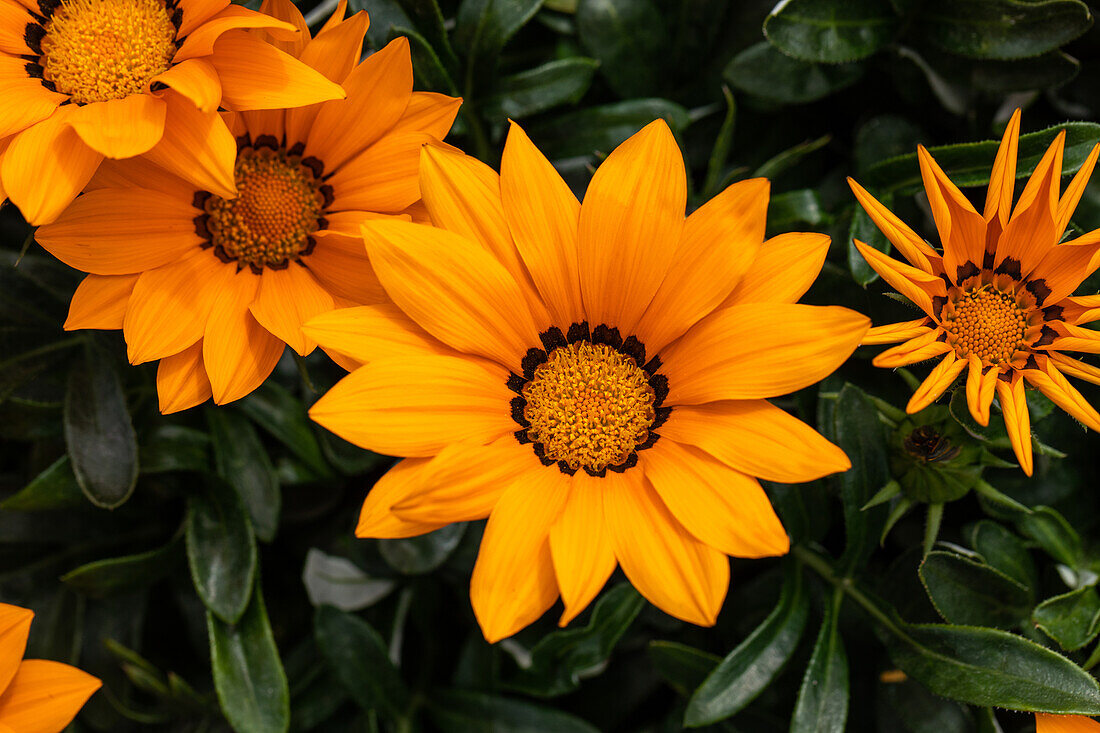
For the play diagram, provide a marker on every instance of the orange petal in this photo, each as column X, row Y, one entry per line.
column 418, row 406
column 723, row 508
column 1054, row 385
column 1076, row 368
column 27, row 101
column 1062, row 269
column 759, row 350
column 979, row 389
column 918, row 348
column 287, row 12
column 1045, row 723
column 1030, row 232
column 1068, row 203
column 46, row 166
column 717, row 247
column 121, row 231
column 140, row 172
column 942, row 377
column 197, row 12
column 1017, row 420
column 121, row 128
column 170, row 305
column 202, row 40
column 756, row 438
column 895, row 332
column 961, row 227
column 1077, row 339
column 15, row 626
column 44, row 696
column 676, row 572
column 196, row 80
column 513, row 581
column 1081, row 309
column 631, row 219
column 428, row 112
column 783, row 270
column 384, row 177
column 374, row 332
column 377, row 520
column 916, row 285
column 465, row 481
column 196, row 146
column 256, row 75
column 378, row 92
column 341, row 265
column 181, row 380
column 908, row 242
column 288, row 298
column 1002, row 181
column 337, row 49
column 580, row 546
column 454, row 289
column 14, row 19
column 100, row 302
column 238, row 352
column 542, row 214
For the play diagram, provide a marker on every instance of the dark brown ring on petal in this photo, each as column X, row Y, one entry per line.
column 33, row 35
column 1009, row 266
column 1039, row 289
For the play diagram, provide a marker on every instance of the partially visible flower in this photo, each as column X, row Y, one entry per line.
column 214, row 287
column 36, row 695
column 1045, row 723
column 997, row 300
column 591, row 377
column 82, row 80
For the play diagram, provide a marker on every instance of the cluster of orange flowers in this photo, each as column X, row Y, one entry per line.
column 592, row 377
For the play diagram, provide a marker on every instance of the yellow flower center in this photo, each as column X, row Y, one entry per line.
column 278, row 206
column 988, row 323
column 97, row 50
column 589, row 406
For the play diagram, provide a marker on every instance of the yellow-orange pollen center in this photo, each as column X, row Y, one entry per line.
column 278, row 207
column 988, row 323
column 98, row 50
column 589, row 405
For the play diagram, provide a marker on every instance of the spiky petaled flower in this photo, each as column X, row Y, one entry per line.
column 590, row 377
column 997, row 299
column 84, row 80
column 214, row 287
column 36, row 695
column 1045, row 723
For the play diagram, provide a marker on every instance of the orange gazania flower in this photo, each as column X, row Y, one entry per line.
column 214, row 287
column 590, row 377
column 36, row 695
column 86, row 79
column 997, row 300
column 1045, row 723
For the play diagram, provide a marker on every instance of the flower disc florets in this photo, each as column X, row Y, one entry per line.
column 986, row 322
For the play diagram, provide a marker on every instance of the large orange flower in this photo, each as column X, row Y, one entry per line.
column 590, row 377
column 214, row 287
column 82, row 80
column 36, row 695
column 997, row 300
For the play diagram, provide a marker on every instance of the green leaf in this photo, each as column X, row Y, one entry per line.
column 482, row 29
column 428, row 69
column 221, row 549
column 865, row 231
column 990, row 667
column 602, row 128
column 1002, row 29
column 822, row 705
column 358, row 658
column 766, row 72
column 969, row 164
column 681, row 666
column 462, row 711
column 337, row 581
column 1049, row 71
column 424, row 553
column 563, row 81
column 98, row 433
column 908, row 706
column 628, row 38
column 831, row 31
column 248, row 674
column 119, row 574
column 54, row 488
column 750, row 668
column 242, row 461
column 171, row 448
column 855, row 427
column 789, row 158
column 885, row 136
column 1053, row 533
column 283, row 416
column 965, row 591
column 1004, row 551
column 1071, row 619
column 428, row 18
column 794, row 207
column 562, row 658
